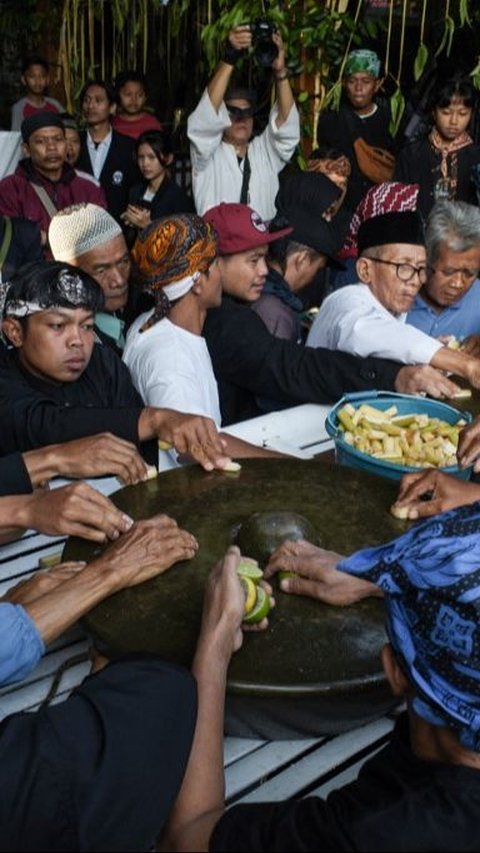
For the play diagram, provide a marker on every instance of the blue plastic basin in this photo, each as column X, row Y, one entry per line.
column 406, row 404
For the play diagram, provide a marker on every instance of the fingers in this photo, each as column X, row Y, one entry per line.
column 120, row 457
column 413, row 486
column 297, row 585
column 469, row 444
column 199, row 438
column 426, row 509
column 440, row 386
column 85, row 512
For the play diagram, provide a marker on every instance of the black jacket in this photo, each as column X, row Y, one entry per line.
column 340, row 130
column 35, row 412
column 25, row 245
column 419, row 163
column 120, row 171
column 168, row 200
column 250, row 362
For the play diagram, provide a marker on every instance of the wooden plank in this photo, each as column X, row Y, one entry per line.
column 305, row 771
column 344, row 778
column 272, row 757
column 29, row 693
column 235, row 748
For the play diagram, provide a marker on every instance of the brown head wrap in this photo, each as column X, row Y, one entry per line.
column 170, row 254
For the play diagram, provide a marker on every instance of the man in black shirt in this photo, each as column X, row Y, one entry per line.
column 57, row 384
column 249, row 362
column 422, row 791
column 359, row 116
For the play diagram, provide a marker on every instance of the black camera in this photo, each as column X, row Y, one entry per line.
column 264, row 49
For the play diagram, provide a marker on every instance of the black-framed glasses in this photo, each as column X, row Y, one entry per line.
column 405, row 272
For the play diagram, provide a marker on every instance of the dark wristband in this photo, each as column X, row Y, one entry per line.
column 230, row 54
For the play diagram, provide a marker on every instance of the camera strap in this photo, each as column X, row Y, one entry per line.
column 245, row 179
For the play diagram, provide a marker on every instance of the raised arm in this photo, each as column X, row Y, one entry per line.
column 238, row 39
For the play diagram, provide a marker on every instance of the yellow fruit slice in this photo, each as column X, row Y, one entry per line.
column 250, row 591
column 261, row 607
column 249, row 568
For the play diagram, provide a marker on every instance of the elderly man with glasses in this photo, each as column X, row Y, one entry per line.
column 448, row 303
column 368, row 318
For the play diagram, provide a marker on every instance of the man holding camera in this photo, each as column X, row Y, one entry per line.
column 227, row 164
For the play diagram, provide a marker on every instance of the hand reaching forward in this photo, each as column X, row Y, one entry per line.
column 443, row 491
column 315, row 574
column 148, row 549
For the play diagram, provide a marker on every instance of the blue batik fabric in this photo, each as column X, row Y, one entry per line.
column 430, row 577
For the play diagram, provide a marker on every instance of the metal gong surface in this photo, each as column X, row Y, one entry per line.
column 312, row 653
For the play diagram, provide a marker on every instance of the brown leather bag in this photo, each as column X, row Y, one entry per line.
column 376, row 164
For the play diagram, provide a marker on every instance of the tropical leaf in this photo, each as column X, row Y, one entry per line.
column 420, row 61
column 397, row 107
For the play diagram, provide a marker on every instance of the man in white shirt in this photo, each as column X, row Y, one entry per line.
column 227, row 165
column 368, row 318
column 166, row 355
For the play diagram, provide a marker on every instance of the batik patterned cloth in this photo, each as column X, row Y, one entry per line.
column 430, row 577
column 169, row 255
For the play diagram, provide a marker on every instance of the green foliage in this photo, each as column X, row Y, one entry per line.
column 109, row 34
column 397, row 108
column 420, row 61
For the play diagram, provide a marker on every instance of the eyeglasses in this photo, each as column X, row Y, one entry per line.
column 405, row 272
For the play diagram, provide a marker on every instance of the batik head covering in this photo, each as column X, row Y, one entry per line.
column 42, row 285
column 430, row 577
column 382, row 198
column 170, row 255
column 362, row 60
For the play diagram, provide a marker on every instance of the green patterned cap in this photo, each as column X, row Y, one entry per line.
column 362, row 60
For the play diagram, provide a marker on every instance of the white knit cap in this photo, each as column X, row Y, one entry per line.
column 79, row 228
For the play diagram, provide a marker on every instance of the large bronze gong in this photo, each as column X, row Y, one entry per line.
column 317, row 669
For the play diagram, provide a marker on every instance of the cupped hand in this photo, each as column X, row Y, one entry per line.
column 442, row 490
column 101, row 455
column 76, row 510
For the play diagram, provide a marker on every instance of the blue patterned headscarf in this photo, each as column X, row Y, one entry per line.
column 431, row 580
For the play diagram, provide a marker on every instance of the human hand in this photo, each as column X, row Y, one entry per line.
column 472, row 371
column 468, row 450
column 443, row 490
column 137, row 216
column 76, row 510
column 315, row 574
column 190, row 435
column 413, row 379
column 240, row 37
column 148, row 549
column 99, row 455
column 279, row 63
column 42, row 583
column 471, row 346
column 223, row 609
